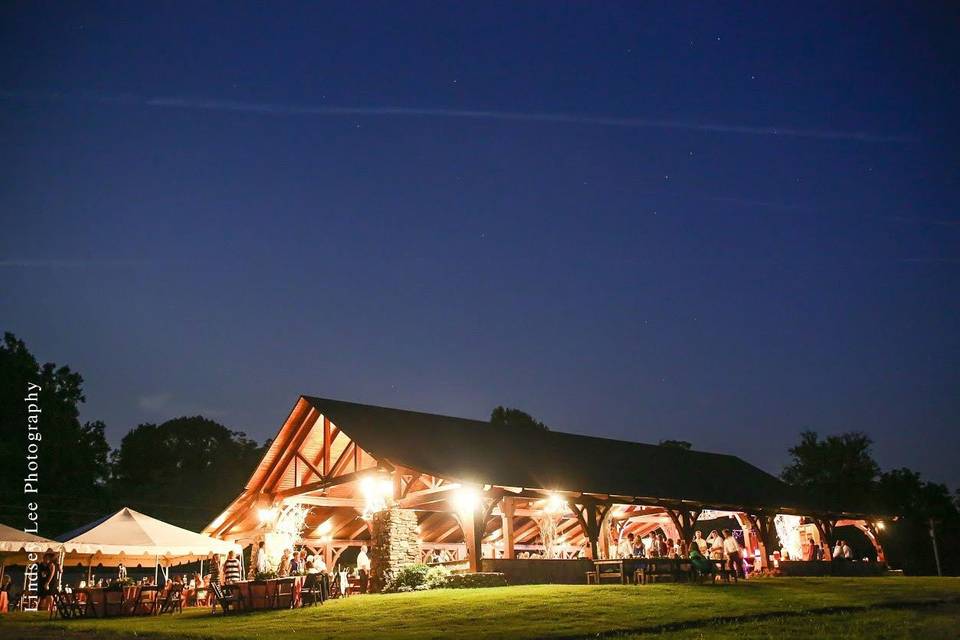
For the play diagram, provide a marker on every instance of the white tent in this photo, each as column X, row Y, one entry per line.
column 19, row 547
column 132, row 538
column 16, row 541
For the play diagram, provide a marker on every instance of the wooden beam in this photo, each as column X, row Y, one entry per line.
column 409, row 485
column 326, row 501
column 343, row 460
column 506, row 526
column 310, row 466
column 310, row 487
column 420, row 497
column 280, row 467
column 326, row 446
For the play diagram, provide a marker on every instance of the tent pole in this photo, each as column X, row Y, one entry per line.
column 156, row 565
column 89, row 571
column 3, row 566
column 201, row 569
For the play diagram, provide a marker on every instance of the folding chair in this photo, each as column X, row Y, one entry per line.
column 145, row 603
column 171, row 600
column 230, row 599
column 312, row 589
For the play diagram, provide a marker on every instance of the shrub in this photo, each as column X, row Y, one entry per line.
column 437, row 577
column 475, row 580
column 407, row 579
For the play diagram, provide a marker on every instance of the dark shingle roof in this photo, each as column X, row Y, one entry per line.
column 476, row 451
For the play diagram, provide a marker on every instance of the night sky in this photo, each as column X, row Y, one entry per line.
column 712, row 223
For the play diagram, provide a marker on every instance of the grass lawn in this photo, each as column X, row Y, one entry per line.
column 783, row 607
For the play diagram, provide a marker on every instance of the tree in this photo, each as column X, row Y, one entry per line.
column 840, row 468
column 72, row 464
column 514, row 418
column 914, row 502
column 185, row 470
column 676, row 444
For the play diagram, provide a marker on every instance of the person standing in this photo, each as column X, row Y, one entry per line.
column 363, row 568
column 700, row 543
column 716, row 545
column 838, row 550
column 731, row 549
column 47, row 581
column 231, row 569
column 845, row 550
column 262, row 564
column 284, row 569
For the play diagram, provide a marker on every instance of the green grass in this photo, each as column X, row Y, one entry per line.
column 817, row 607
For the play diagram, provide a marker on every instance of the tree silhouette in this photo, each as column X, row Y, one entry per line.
column 72, row 464
column 184, row 471
column 507, row 417
column 840, row 468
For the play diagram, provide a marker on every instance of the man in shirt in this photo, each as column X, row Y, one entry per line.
column 700, row 542
column 846, row 551
column 625, row 548
column 731, row 549
column 363, row 568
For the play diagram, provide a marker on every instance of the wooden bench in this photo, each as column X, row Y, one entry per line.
column 609, row 570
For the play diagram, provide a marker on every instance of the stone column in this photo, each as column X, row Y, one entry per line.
column 394, row 544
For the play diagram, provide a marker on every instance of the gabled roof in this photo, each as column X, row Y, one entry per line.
column 476, row 451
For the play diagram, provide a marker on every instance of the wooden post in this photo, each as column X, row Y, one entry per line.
column 826, row 526
column 326, row 446
column 506, row 526
column 469, row 522
column 591, row 516
column 766, row 529
column 685, row 522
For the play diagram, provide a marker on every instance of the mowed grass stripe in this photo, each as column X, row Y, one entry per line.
column 536, row 611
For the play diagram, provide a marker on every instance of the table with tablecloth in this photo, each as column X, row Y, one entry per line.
column 95, row 598
column 275, row 593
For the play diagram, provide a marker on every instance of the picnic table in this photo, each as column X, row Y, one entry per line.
column 647, row 570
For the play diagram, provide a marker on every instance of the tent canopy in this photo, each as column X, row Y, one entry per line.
column 15, row 544
column 133, row 538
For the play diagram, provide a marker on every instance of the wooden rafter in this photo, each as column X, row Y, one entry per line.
column 291, row 449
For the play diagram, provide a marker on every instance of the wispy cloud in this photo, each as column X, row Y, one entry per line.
column 932, row 260
column 276, row 109
column 56, row 263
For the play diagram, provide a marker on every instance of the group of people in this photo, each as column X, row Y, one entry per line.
column 701, row 551
column 811, row 551
column 294, row 562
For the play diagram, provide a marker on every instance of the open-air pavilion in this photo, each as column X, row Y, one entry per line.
column 481, row 491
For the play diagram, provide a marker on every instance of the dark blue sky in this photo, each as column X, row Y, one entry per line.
column 712, row 223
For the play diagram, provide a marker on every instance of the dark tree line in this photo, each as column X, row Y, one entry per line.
column 842, row 468
column 184, row 471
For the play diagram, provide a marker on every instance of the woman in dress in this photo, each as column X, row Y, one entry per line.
column 46, row 582
column 716, row 545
